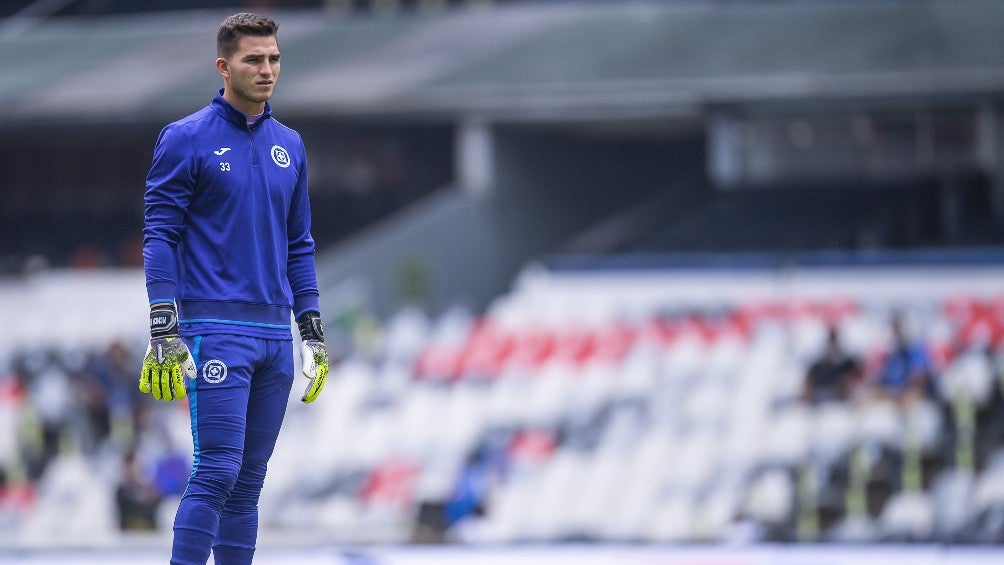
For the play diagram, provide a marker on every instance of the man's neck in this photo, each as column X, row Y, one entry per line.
column 247, row 108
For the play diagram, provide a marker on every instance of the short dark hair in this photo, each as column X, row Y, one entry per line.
column 239, row 25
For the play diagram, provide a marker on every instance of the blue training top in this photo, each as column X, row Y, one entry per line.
column 227, row 216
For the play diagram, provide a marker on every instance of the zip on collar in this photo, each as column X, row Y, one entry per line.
column 235, row 116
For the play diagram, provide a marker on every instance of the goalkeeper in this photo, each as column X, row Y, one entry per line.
column 229, row 264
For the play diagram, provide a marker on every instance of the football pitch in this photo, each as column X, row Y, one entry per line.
column 545, row 554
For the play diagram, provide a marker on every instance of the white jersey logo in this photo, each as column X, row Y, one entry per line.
column 221, row 150
column 280, row 156
column 214, row 371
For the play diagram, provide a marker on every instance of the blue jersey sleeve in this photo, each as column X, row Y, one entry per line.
column 170, row 185
column 300, row 267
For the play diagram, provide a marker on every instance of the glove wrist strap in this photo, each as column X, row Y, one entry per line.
column 163, row 320
column 310, row 326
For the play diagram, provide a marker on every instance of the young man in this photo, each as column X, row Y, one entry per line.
column 229, row 260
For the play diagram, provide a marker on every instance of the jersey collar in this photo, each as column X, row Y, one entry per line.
column 233, row 115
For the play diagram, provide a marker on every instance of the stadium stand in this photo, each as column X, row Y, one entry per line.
column 652, row 406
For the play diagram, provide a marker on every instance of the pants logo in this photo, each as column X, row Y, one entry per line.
column 214, row 371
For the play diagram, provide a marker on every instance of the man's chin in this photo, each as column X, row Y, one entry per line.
column 256, row 97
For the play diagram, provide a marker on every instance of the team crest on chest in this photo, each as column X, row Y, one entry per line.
column 280, row 156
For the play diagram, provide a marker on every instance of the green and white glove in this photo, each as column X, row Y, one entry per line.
column 168, row 361
column 313, row 354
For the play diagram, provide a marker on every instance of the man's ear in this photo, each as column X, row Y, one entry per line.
column 223, row 67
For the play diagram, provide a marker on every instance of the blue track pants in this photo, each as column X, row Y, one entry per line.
column 237, row 403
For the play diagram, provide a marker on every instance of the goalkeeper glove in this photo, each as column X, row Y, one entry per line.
column 313, row 354
column 167, row 360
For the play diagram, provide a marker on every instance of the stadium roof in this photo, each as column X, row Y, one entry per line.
column 541, row 61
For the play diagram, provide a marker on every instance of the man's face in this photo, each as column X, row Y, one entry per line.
column 253, row 70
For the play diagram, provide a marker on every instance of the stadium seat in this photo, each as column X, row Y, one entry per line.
column 908, row 516
column 952, row 498
column 630, row 419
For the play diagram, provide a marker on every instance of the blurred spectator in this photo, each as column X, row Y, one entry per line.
column 11, row 402
column 115, row 369
column 906, row 371
column 466, row 501
column 135, row 497
column 471, row 489
column 49, row 403
column 171, row 472
column 93, row 397
column 833, row 375
column 16, row 499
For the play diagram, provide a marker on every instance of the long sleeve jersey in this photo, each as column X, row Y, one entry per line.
column 227, row 224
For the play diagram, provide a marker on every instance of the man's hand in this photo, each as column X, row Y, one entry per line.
column 168, row 361
column 313, row 354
